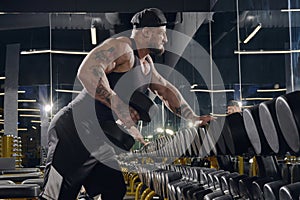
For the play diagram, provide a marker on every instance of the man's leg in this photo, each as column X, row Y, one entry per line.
column 106, row 180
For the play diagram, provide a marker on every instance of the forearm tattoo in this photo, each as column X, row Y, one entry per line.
column 102, row 88
column 102, row 92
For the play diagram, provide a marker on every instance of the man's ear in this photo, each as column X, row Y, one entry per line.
column 146, row 32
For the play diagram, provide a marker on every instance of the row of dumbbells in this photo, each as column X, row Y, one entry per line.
column 193, row 183
column 270, row 128
column 187, row 142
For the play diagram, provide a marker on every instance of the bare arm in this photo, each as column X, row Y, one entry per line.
column 92, row 74
column 174, row 100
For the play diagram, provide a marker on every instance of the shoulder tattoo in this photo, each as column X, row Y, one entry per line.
column 106, row 55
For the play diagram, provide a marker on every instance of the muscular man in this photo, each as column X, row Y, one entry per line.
column 77, row 154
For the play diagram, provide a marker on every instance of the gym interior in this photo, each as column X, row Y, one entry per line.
column 220, row 54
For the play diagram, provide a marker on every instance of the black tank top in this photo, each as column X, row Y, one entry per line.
column 123, row 83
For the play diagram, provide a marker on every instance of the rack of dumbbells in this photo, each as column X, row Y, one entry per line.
column 248, row 155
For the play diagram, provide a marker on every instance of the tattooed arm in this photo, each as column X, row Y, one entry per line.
column 92, row 74
column 174, row 100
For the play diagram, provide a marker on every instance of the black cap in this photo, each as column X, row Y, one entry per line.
column 150, row 17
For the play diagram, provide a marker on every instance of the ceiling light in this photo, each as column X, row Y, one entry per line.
column 194, row 85
column 26, row 100
column 267, row 52
column 48, row 107
column 54, row 52
column 93, row 35
column 36, row 121
column 257, row 28
column 22, row 129
column 25, row 115
column 257, row 98
column 271, row 90
column 68, row 91
column 291, row 10
column 29, row 109
column 211, row 91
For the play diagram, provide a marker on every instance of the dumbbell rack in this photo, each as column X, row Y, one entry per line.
column 11, row 147
column 264, row 171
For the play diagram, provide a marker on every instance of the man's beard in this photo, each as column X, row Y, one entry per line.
column 156, row 52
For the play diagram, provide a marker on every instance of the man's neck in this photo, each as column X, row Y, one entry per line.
column 142, row 52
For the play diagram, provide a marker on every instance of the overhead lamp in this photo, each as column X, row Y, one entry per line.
column 258, row 27
column 258, row 98
column 26, row 100
column 36, row 121
column 22, row 129
column 194, row 85
column 67, row 91
column 19, row 92
column 271, row 90
column 25, row 115
column 94, row 35
column 30, row 52
column 48, row 107
column 211, row 91
column 267, row 52
column 291, row 10
column 29, row 109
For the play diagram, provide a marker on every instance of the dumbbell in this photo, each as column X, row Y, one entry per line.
column 290, row 192
column 117, row 135
column 201, row 194
column 169, row 177
column 173, row 194
column 188, row 194
column 234, row 185
column 213, row 195
column 224, row 197
column 209, row 177
column 224, row 182
column 287, row 112
column 271, row 128
column 271, row 190
column 245, row 187
column 216, row 179
column 143, row 105
column 255, row 131
column 257, row 187
column 180, row 190
column 203, row 174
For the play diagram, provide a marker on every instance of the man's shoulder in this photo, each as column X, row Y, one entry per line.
column 118, row 41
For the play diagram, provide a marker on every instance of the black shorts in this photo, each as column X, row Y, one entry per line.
column 70, row 165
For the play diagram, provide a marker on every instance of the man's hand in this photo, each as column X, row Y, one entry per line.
column 135, row 133
column 202, row 120
column 128, row 115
